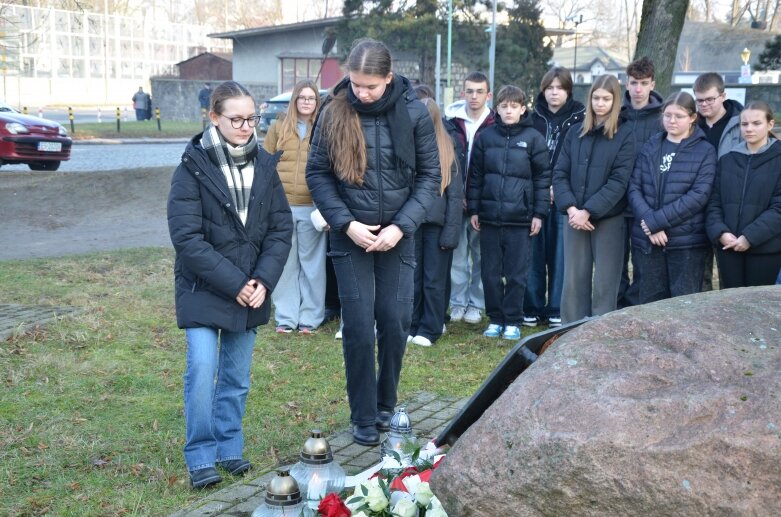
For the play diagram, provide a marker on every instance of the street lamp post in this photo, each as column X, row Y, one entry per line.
column 492, row 51
column 745, row 70
column 575, row 61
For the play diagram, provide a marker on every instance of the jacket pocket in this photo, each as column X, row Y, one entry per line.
column 345, row 274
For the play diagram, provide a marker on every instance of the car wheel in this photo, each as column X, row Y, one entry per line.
column 44, row 166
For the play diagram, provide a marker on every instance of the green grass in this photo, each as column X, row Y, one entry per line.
column 91, row 406
column 134, row 129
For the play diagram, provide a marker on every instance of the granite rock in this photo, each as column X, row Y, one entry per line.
column 671, row 408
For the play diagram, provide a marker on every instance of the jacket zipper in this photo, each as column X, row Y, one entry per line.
column 743, row 192
column 377, row 164
column 504, row 172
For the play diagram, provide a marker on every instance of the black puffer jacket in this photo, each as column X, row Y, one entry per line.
column 675, row 200
column 592, row 172
column 643, row 123
column 447, row 211
column 746, row 198
column 509, row 175
column 391, row 193
column 555, row 126
column 216, row 255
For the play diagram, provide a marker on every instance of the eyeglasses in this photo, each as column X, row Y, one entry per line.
column 238, row 122
column 708, row 101
column 307, row 99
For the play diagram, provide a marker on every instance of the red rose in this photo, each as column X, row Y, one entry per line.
column 332, row 506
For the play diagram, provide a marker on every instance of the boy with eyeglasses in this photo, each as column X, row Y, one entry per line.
column 719, row 118
column 466, row 293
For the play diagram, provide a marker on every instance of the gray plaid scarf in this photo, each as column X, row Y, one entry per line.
column 236, row 164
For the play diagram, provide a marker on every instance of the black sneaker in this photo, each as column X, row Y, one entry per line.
column 203, row 478
column 530, row 321
column 366, row 435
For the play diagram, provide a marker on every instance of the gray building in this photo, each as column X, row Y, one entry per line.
column 281, row 55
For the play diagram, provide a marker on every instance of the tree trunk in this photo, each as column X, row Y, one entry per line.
column 660, row 30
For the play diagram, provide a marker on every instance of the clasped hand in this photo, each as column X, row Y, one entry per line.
column 730, row 242
column 364, row 237
column 579, row 219
column 253, row 294
column 657, row 239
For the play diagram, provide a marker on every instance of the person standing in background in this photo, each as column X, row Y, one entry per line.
column 466, row 287
column 300, row 295
column 555, row 112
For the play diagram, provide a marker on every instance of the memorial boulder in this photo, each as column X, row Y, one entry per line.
column 670, row 408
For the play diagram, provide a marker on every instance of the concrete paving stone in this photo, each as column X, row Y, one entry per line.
column 340, row 440
column 365, row 461
column 236, row 492
column 449, row 412
column 247, row 507
column 18, row 318
column 354, row 450
column 208, row 508
column 435, row 405
column 419, row 416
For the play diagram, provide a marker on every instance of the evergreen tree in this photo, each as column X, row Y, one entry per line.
column 521, row 57
column 770, row 58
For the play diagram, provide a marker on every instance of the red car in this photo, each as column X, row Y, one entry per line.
column 40, row 143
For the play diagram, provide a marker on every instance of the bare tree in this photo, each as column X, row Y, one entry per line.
column 660, row 31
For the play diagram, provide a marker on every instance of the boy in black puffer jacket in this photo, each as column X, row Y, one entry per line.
column 507, row 199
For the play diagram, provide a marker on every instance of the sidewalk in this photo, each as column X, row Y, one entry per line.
column 147, row 140
column 429, row 414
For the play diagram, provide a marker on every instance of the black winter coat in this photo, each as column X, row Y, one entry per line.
column 673, row 201
column 643, row 123
column 746, row 199
column 447, row 211
column 555, row 126
column 216, row 255
column 509, row 175
column 457, row 130
column 391, row 193
column 592, row 172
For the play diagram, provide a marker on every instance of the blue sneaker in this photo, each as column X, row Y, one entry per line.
column 512, row 332
column 493, row 330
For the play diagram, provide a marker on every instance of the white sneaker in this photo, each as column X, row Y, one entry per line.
column 338, row 334
column 512, row 333
column 409, row 339
column 422, row 341
column 530, row 321
column 444, row 328
column 473, row 316
column 457, row 313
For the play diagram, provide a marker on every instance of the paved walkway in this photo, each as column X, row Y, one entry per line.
column 429, row 414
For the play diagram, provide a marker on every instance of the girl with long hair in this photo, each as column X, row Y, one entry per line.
column 668, row 192
column 436, row 239
column 373, row 172
column 230, row 226
column 590, row 179
column 299, row 298
column 744, row 212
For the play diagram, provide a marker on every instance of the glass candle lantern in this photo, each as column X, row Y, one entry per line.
column 317, row 473
column 283, row 499
column 400, row 439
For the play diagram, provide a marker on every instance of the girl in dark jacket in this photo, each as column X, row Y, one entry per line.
column 668, row 192
column 373, row 171
column 589, row 185
column 507, row 200
column 436, row 239
column 230, row 225
column 744, row 212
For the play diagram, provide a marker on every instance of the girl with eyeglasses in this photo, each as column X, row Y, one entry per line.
column 299, row 298
column 744, row 213
column 669, row 189
column 230, row 226
column 373, row 172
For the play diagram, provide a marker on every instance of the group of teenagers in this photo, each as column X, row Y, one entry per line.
column 415, row 210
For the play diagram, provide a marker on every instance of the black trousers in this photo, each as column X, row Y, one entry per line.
column 506, row 253
column 431, row 273
column 741, row 269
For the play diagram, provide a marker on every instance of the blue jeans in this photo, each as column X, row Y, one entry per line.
column 216, row 383
column 466, row 288
column 373, row 287
column 546, row 272
column 671, row 273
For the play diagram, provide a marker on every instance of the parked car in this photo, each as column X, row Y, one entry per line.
column 274, row 107
column 41, row 144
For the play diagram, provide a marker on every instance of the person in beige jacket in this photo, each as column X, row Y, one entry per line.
column 299, row 298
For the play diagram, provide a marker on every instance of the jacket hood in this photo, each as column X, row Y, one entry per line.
column 733, row 107
column 457, row 110
column 768, row 151
column 689, row 141
column 570, row 107
column 652, row 108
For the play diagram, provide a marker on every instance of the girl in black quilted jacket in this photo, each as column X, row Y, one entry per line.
column 668, row 192
column 744, row 212
column 373, row 171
